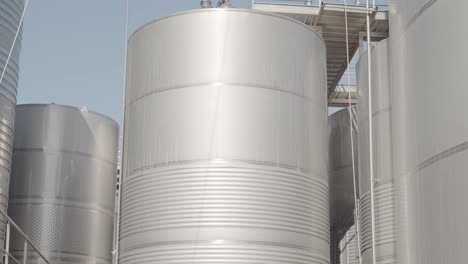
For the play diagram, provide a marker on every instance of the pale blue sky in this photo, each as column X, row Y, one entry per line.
column 73, row 50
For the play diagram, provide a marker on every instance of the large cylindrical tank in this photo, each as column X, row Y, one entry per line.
column 429, row 40
column 349, row 247
column 63, row 183
column 225, row 144
column 340, row 172
column 10, row 16
column 384, row 189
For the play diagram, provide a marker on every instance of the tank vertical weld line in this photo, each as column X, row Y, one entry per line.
column 413, row 19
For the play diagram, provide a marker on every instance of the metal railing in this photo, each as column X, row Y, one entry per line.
column 381, row 4
column 5, row 252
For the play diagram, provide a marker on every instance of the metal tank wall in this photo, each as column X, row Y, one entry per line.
column 384, row 189
column 340, row 172
column 63, row 183
column 430, row 129
column 349, row 247
column 225, row 145
column 10, row 16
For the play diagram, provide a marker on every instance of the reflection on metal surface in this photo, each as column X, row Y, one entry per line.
column 384, row 185
column 430, row 126
column 10, row 16
column 222, row 171
column 341, row 177
column 63, row 183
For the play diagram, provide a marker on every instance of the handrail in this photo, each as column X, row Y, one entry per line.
column 27, row 241
column 317, row 3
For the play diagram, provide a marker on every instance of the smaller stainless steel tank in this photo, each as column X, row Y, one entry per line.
column 63, row 183
column 341, row 176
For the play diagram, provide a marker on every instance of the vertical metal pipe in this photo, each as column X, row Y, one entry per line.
column 115, row 258
column 371, row 140
column 356, row 200
column 7, row 243
column 25, row 252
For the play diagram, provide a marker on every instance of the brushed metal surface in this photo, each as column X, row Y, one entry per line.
column 10, row 16
column 340, row 173
column 430, row 129
column 225, row 150
column 63, row 183
column 384, row 192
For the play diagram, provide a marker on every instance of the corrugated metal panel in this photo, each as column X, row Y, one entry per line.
column 430, row 125
column 384, row 186
column 225, row 150
column 10, row 16
column 63, row 183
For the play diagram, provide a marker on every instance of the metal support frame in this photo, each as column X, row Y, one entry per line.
column 27, row 242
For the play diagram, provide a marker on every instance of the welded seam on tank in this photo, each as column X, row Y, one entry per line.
column 75, row 256
column 68, row 107
column 265, row 164
column 293, row 176
column 245, row 11
column 48, row 203
column 223, row 84
column 234, row 245
column 319, row 233
column 240, row 243
column 381, row 111
column 207, row 254
column 423, row 9
column 59, row 151
column 441, row 156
